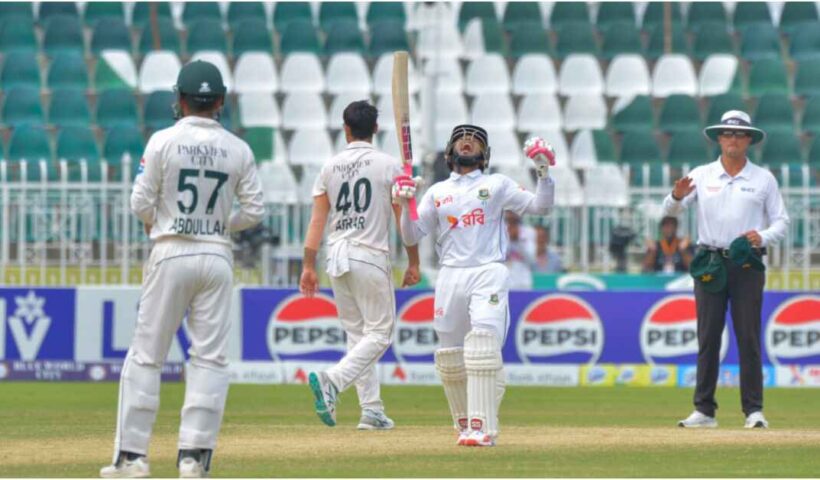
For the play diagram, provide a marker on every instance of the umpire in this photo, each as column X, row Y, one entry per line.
column 740, row 212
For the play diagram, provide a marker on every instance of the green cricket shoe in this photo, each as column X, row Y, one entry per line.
column 325, row 394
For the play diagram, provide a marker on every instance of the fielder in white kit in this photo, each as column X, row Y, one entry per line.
column 353, row 191
column 466, row 214
column 190, row 175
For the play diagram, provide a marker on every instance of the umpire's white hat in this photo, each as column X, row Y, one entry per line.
column 735, row 120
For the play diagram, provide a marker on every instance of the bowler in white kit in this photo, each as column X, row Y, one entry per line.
column 465, row 213
column 184, row 194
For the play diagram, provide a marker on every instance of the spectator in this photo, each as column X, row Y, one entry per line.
column 546, row 260
column 670, row 254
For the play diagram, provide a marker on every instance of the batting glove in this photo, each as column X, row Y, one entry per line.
column 404, row 188
column 541, row 153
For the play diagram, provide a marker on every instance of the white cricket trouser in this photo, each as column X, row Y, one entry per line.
column 179, row 276
column 366, row 304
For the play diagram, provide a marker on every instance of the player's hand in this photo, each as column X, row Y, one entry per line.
column 684, row 244
column 404, row 188
column 541, row 153
column 309, row 283
column 754, row 238
column 683, row 187
column 412, row 276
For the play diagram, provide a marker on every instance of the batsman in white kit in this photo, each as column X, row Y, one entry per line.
column 190, row 175
column 466, row 214
column 353, row 192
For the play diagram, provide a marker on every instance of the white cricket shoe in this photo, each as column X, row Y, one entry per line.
column 190, row 468
column 124, row 468
column 477, row 438
column 756, row 420
column 375, row 420
column 698, row 420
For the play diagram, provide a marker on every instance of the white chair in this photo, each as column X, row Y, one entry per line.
column 583, row 151
column 258, row 110
column 447, row 74
column 505, row 149
column 383, row 76
column 568, row 190
column 534, row 73
column 387, row 122
column 347, row 72
column 301, row 72
column 674, row 73
column 303, row 110
column 220, row 62
column 159, row 71
column 493, row 111
column 585, row 111
column 487, row 74
column 278, row 183
column 255, row 73
column 580, row 74
column 521, row 176
column 122, row 64
column 606, row 186
column 310, row 147
column 451, row 109
column 473, row 39
column 540, row 112
column 627, row 75
column 558, row 142
column 441, row 40
column 717, row 74
column 337, row 108
column 389, row 142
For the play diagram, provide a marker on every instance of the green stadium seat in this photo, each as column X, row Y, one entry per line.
column 656, row 41
column 168, row 37
column 706, row 15
column 811, row 116
column 226, row 116
column 760, row 41
column 568, row 12
column 32, row 144
column 110, row 33
column 331, row 12
column 615, row 13
column 117, row 108
column 251, row 35
column 16, row 9
column 299, row 36
column 344, row 36
column 688, row 147
column 795, row 13
column 386, row 11
column 712, row 38
column 621, row 38
column 158, row 113
column 637, row 149
column 386, row 36
column 22, row 106
column 530, row 37
column 768, row 76
column 260, row 139
column 654, row 15
column 17, row 34
column 119, row 141
column 141, row 15
column 68, row 70
column 48, row 10
column 76, row 145
column 69, row 108
column 679, row 113
column 780, row 148
column 485, row 36
column 193, row 12
column 206, row 34
column 804, row 42
column 286, row 12
column 575, row 37
column 751, row 13
column 20, row 69
column 807, row 78
column 720, row 104
column 115, row 70
column 63, row 33
column 239, row 12
column 471, row 10
column 774, row 113
column 96, row 11
column 517, row 13
column 637, row 116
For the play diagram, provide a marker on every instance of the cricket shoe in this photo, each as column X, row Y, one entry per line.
column 194, row 463
column 756, row 420
column 136, row 467
column 325, row 394
column 477, row 438
column 698, row 420
column 375, row 420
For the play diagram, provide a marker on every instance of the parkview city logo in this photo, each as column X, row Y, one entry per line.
column 302, row 325
column 414, row 338
column 793, row 332
column 669, row 333
column 559, row 328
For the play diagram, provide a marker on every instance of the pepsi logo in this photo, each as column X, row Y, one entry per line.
column 302, row 325
column 559, row 328
column 415, row 338
column 669, row 332
column 793, row 332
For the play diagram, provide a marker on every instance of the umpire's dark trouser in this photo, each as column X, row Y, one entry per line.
column 744, row 291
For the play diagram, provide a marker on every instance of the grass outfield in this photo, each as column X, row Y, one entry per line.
column 67, row 429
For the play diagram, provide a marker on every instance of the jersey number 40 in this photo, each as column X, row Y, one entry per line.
column 362, row 191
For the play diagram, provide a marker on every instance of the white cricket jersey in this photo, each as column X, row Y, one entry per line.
column 357, row 182
column 728, row 206
column 466, row 213
column 189, row 176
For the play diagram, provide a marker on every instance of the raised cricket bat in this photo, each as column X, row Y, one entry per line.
column 401, row 112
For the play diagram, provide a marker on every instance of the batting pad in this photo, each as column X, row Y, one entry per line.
column 206, row 389
column 137, row 409
column 482, row 359
column 450, row 366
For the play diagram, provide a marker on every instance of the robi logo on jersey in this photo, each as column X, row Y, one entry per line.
column 669, row 333
column 559, row 329
column 302, row 325
column 793, row 332
column 415, row 339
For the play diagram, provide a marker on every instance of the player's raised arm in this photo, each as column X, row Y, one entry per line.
column 412, row 231
column 523, row 202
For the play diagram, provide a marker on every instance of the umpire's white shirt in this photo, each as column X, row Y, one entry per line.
column 189, row 176
column 729, row 206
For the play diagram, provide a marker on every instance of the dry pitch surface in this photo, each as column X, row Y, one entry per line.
column 67, row 430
